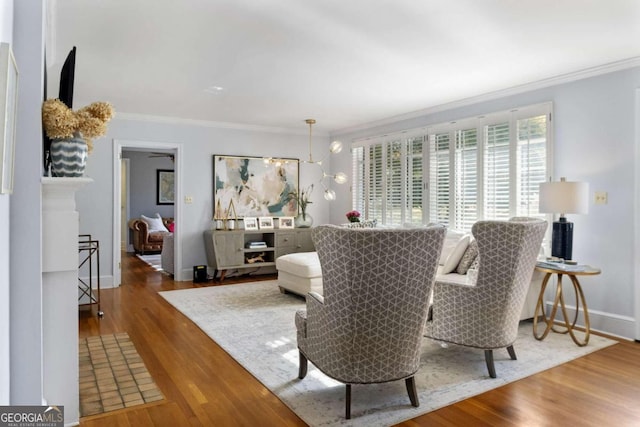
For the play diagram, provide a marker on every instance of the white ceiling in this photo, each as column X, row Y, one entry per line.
column 343, row 62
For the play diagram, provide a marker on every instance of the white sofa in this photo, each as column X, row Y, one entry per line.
column 300, row 273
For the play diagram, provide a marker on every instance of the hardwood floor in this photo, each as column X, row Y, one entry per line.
column 203, row 386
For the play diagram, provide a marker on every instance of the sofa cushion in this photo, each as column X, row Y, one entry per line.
column 467, row 259
column 155, row 223
column 302, row 264
column 456, row 254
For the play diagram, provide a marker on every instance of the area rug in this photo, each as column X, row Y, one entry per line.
column 113, row 375
column 153, row 260
column 254, row 323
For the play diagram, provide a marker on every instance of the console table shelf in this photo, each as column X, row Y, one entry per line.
column 228, row 249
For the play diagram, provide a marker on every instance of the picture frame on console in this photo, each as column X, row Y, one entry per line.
column 265, row 222
column 250, row 223
column 286, row 222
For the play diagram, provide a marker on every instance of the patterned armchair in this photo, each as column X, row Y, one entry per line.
column 486, row 314
column 369, row 325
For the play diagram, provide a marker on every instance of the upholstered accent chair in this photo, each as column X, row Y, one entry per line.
column 369, row 325
column 485, row 312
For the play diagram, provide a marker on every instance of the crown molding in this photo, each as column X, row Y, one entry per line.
column 515, row 90
column 217, row 125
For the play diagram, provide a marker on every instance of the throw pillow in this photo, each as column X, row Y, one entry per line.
column 368, row 223
column 171, row 227
column 454, row 257
column 450, row 242
column 469, row 256
column 155, row 224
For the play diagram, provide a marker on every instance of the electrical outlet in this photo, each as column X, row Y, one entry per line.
column 600, row 198
column 188, row 200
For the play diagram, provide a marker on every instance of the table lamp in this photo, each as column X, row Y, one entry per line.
column 563, row 197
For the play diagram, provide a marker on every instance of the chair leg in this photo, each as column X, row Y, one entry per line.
column 512, row 353
column 411, row 389
column 347, row 403
column 302, row 369
column 488, row 357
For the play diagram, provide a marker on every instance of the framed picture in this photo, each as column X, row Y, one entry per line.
column 286, row 222
column 258, row 186
column 8, row 109
column 250, row 223
column 265, row 222
column 165, row 191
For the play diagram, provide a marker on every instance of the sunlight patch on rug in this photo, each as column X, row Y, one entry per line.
column 254, row 323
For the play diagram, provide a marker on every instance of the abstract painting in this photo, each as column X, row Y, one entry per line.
column 257, row 186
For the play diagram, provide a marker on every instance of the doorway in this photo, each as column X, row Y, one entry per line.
column 121, row 198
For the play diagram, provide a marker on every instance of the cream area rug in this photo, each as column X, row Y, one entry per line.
column 254, row 323
column 153, row 260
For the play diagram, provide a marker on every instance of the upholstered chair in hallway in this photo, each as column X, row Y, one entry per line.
column 368, row 326
column 485, row 312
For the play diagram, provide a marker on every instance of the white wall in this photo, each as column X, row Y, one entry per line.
column 6, row 35
column 594, row 142
column 26, row 223
column 200, row 143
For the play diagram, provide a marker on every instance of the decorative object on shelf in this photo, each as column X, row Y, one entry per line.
column 231, row 216
column 302, row 199
column 286, row 222
column 257, row 186
column 334, row 148
column 353, row 216
column 250, row 223
column 304, row 221
column 563, row 197
column 72, row 134
column 265, row 222
column 165, row 187
column 218, row 221
column 8, row 110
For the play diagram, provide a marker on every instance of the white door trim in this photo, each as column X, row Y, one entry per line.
column 636, row 216
column 118, row 145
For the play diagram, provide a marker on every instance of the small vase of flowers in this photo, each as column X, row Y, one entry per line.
column 353, row 216
column 72, row 133
column 303, row 220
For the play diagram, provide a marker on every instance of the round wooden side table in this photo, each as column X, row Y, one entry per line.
column 568, row 327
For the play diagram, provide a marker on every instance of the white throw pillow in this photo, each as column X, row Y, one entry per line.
column 456, row 255
column 155, row 224
column 450, row 242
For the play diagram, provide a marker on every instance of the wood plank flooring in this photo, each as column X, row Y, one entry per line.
column 204, row 386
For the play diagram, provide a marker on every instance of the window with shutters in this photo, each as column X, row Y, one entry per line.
column 457, row 173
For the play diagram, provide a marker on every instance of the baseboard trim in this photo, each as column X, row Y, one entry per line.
column 607, row 323
column 106, row 282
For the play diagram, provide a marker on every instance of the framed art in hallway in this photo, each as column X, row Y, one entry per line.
column 165, row 187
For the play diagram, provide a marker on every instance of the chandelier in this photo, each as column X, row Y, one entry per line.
column 334, row 148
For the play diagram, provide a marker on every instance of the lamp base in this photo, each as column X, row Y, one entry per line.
column 562, row 239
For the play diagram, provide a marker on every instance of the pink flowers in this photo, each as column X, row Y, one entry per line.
column 353, row 216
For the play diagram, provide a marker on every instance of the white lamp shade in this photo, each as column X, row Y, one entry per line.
column 564, row 197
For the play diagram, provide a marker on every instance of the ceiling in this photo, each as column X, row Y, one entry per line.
column 343, row 62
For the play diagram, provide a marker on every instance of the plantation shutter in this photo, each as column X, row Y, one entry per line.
column 466, row 179
column 414, row 181
column 496, row 172
column 439, row 174
column 531, row 163
column 358, row 181
column 376, row 193
column 394, row 193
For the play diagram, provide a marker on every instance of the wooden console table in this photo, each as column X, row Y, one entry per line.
column 559, row 300
column 227, row 249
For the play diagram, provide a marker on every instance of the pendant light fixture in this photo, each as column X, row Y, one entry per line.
column 334, row 148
